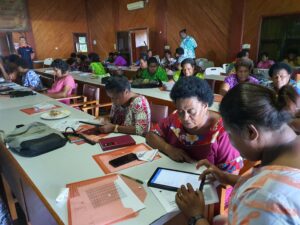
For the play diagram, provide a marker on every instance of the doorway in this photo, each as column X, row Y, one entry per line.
column 130, row 44
column 80, row 42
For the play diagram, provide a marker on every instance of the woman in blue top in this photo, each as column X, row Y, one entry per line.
column 280, row 74
column 188, row 43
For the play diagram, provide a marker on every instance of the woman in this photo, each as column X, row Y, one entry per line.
column 192, row 132
column 143, row 65
column 64, row 82
column 30, row 78
column 167, row 61
column 154, row 71
column 95, row 65
column 119, row 60
column 243, row 68
column 188, row 69
column 257, row 126
column 130, row 112
column 265, row 62
column 280, row 74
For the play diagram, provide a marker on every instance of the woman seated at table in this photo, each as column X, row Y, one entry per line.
column 84, row 63
column 258, row 129
column 280, row 74
column 265, row 62
column 130, row 112
column 167, row 61
column 292, row 59
column 30, row 78
column 119, row 60
column 193, row 132
column 143, row 65
column 243, row 68
column 95, row 65
column 64, row 82
column 188, row 69
column 154, row 71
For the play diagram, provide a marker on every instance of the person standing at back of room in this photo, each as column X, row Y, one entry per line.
column 26, row 52
column 188, row 43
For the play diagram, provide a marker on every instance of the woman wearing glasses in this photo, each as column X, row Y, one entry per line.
column 193, row 132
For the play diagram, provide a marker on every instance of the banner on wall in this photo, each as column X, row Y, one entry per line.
column 13, row 15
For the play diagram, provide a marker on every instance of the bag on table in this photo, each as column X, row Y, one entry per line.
column 34, row 139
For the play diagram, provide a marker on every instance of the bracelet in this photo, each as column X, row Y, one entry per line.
column 116, row 128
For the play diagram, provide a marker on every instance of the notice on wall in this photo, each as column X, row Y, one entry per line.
column 13, row 15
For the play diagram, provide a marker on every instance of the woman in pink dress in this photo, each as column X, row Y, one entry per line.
column 265, row 62
column 64, row 82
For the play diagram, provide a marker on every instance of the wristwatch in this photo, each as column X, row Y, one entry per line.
column 193, row 220
column 116, row 128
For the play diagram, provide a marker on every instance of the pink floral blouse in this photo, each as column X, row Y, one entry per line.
column 136, row 114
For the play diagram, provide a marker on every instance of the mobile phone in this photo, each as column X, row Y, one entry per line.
column 123, row 160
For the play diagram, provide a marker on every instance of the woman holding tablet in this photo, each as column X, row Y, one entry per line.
column 193, row 132
column 258, row 126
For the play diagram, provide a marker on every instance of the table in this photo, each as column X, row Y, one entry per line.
column 37, row 181
column 154, row 95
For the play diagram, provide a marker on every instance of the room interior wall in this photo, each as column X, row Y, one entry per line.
column 255, row 10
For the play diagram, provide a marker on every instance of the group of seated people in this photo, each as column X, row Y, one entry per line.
column 256, row 122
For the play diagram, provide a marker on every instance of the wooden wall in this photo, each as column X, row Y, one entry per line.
column 53, row 23
column 255, row 10
column 208, row 21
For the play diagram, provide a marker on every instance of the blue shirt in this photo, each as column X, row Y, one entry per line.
column 189, row 44
column 25, row 53
column 32, row 80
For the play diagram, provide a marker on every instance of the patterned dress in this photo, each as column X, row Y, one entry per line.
column 32, row 80
column 136, row 114
column 232, row 80
column 268, row 195
column 189, row 44
column 213, row 146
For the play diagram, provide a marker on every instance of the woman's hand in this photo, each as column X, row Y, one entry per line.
column 107, row 128
column 189, row 201
column 218, row 174
column 177, row 154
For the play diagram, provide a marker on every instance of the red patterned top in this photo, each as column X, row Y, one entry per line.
column 213, row 146
column 136, row 114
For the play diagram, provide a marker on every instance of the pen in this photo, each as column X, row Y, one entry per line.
column 137, row 180
column 202, row 183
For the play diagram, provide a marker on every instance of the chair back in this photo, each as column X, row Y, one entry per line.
column 75, row 90
column 214, row 71
column 158, row 112
column 91, row 92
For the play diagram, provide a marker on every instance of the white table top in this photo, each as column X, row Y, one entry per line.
column 52, row 171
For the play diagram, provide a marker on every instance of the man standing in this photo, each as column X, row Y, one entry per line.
column 26, row 52
column 188, row 43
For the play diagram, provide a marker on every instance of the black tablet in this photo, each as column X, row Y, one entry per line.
column 171, row 180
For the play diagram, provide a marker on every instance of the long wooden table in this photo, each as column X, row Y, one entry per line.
column 36, row 182
column 154, row 95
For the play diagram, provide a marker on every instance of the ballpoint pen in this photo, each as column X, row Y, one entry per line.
column 137, row 180
column 202, row 183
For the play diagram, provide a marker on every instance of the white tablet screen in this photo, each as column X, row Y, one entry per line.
column 175, row 178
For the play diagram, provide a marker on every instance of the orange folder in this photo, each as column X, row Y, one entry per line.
column 123, row 213
column 32, row 110
column 103, row 159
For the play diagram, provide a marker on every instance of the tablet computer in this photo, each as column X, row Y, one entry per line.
column 171, row 180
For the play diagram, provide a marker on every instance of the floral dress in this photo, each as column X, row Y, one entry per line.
column 136, row 114
column 213, row 146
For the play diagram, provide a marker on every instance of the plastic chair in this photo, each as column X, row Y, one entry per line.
column 225, row 67
column 214, row 71
column 47, row 62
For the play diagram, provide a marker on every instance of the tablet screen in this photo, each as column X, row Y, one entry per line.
column 173, row 179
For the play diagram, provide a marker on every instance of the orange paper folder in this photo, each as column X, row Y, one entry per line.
column 108, row 215
column 32, row 110
column 103, row 159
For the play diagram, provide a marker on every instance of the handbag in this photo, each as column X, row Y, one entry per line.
column 34, row 139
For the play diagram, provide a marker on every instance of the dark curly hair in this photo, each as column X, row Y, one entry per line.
column 152, row 60
column 118, row 84
column 188, row 87
column 240, row 107
column 94, row 57
column 275, row 68
column 179, row 51
column 60, row 64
